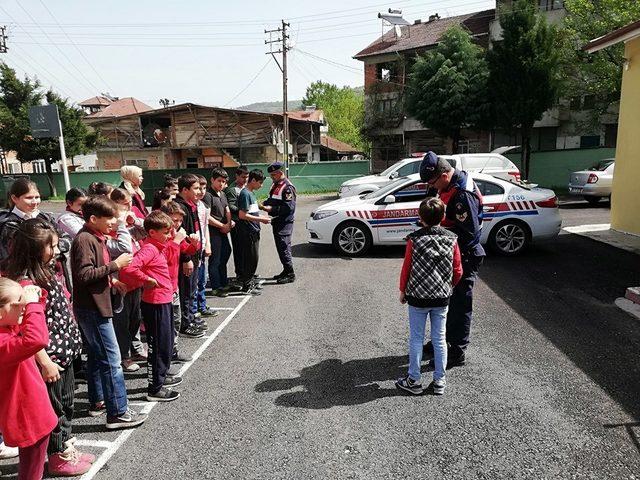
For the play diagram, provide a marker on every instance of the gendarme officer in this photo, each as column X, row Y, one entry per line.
column 281, row 205
column 463, row 216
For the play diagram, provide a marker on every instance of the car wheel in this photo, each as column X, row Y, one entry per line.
column 591, row 199
column 352, row 239
column 510, row 238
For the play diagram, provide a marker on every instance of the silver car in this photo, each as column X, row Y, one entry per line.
column 594, row 183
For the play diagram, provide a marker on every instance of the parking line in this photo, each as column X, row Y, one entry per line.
column 114, row 446
column 94, row 443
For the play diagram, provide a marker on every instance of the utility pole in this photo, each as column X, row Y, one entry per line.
column 3, row 39
column 283, row 68
column 4, row 167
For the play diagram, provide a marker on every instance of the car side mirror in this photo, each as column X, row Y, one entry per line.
column 389, row 199
column 393, row 175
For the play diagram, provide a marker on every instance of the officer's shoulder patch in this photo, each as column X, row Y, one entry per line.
column 288, row 194
column 461, row 217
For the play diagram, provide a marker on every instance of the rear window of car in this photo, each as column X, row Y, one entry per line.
column 601, row 166
column 489, row 188
column 480, row 162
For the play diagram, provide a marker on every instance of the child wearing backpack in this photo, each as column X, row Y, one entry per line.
column 431, row 268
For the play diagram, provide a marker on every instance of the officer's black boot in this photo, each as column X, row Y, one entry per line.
column 280, row 275
column 288, row 277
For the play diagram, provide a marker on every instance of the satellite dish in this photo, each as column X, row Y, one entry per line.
column 153, row 135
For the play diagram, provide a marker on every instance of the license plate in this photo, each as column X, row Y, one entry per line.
column 575, row 190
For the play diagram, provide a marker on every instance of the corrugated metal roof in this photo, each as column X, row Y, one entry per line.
column 427, row 34
column 336, row 145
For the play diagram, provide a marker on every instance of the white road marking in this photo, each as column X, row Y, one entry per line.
column 93, row 443
column 597, row 227
column 113, row 447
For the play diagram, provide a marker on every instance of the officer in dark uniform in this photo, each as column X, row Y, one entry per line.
column 281, row 205
column 463, row 216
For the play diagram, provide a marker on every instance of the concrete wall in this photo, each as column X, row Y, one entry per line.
column 552, row 169
column 308, row 178
column 625, row 206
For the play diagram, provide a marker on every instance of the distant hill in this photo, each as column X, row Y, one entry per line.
column 276, row 107
column 271, row 107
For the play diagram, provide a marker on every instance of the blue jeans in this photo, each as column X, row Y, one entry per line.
column 105, row 379
column 220, row 254
column 200, row 300
column 417, row 321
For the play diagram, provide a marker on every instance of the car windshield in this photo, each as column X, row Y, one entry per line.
column 387, row 172
column 386, row 189
column 601, row 166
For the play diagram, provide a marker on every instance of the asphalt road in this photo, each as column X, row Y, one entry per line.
column 300, row 382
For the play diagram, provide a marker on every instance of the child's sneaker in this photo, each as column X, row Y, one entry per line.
column 8, row 452
column 172, row 381
column 129, row 366
column 437, row 387
column 163, row 395
column 409, row 385
column 84, row 457
column 191, row 331
column 208, row 312
column 97, row 409
column 128, row 419
column 67, row 464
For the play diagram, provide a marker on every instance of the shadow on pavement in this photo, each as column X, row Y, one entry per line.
column 629, row 428
column 308, row 250
column 333, row 382
column 566, row 291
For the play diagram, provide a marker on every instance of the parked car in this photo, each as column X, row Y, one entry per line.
column 514, row 216
column 594, row 183
column 491, row 163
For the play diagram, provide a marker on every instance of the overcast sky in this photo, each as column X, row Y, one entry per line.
column 199, row 51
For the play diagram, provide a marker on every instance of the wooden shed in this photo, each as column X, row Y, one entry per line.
column 197, row 136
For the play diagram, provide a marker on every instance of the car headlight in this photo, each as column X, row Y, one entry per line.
column 324, row 214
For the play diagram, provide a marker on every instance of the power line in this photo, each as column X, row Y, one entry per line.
column 35, row 69
column 38, row 43
column 255, row 77
column 76, row 47
column 331, row 62
column 155, row 45
column 91, row 84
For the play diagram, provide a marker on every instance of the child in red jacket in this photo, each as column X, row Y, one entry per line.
column 26, row 415
column 150, row 270
column 180, row 244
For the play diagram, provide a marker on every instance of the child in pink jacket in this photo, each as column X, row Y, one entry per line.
column 26, row 415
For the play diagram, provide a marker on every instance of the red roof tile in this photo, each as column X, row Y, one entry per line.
column 427, row 34
column 336, row 145
column 119, row 108
column 96, row 101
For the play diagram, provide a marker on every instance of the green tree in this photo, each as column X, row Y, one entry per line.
column 447, row 86
column 598, row 74
column 343, row 109
column 524, row 72
column 16, row 96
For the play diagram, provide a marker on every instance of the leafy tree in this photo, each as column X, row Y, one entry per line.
column 524, row 72
column 16, row 96
column 343, row 109
column 598, row 74
column 447, row 86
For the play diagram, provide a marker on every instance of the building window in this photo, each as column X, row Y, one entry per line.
column 192, row 162
column 589, row 141
column 386, row 106
column 137, row 163
column 611, row 135
column 589, row 102
column 387, row 72
column 548, row 5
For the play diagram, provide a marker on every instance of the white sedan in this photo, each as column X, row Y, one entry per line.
column 514, row 216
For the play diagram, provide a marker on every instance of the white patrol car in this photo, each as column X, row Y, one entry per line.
column 514, row 216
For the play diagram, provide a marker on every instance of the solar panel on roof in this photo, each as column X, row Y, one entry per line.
column 393, row 19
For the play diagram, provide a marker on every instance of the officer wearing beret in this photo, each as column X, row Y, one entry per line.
column 463, row 216
column 281, row 205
